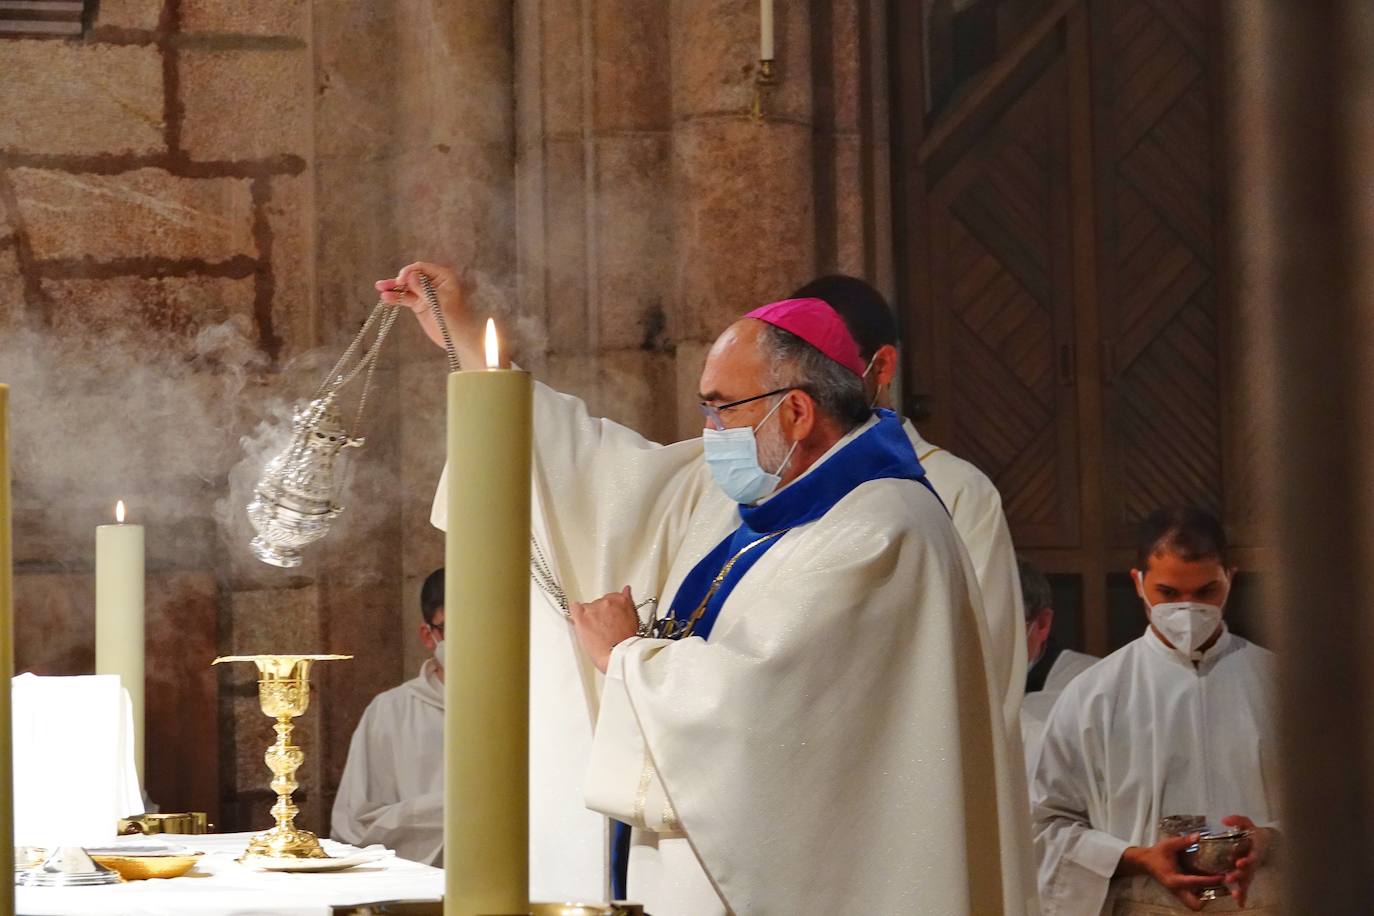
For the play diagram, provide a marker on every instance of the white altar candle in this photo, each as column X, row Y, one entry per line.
column 487, row 654
column 119, row 613
column 6, row 665
column 765, row 29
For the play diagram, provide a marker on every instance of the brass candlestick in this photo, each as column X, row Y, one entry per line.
column 284, row 693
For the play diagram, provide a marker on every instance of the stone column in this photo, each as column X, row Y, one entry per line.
column 595, row 212
column 415, row 136
column 743, row 195
column 1303, row 85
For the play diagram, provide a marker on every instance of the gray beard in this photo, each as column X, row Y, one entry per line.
column 771, row 448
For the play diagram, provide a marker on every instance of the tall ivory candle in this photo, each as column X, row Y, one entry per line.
column 765, row 29
column 486, row 656
column 119, row 613
column 6, row 665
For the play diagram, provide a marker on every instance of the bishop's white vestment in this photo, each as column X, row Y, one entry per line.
column 835, row 744
column 392, row 790
column 1144, row 734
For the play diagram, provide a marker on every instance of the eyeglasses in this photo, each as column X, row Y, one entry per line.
column 712, row 411
column 436, row 627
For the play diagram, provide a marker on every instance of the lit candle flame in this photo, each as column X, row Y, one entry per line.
column 119, row 511
column 493, row 348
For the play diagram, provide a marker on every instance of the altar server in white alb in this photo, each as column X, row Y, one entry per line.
column 972, row 499
column 1181, row 721
column 808, row 726
column 1051, row 666
column 392, row 790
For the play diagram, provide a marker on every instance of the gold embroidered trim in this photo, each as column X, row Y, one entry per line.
column 670, row 822
column 646, row 778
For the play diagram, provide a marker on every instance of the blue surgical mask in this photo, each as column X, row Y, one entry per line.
column 733, row 457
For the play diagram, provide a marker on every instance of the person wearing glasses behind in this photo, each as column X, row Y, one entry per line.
column 806, row 724
column 392, row 790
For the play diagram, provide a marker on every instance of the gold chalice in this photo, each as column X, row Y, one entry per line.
column 284, row 693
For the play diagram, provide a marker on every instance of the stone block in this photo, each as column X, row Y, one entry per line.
column 290, row 18
column 456, row 70
column 561, row 79
column 528, row 71
column 744, row 219
column 54, row 623
column 565, row 247
column 399, row 78
column 354, row 245
column 290, row 211
column 846, row 67
column 129, row 14
column 633, row 65
column 460, row 208
column 689, row 360
column 174, row 308
column 145, row 213
column 69, row 98
column 634, row 241
column 635, row 388
column 851, row 198
column 275, row 620
column 354, row 113
column 716, row 53
column 13, row 307
column 182, row 691
column 246, row 104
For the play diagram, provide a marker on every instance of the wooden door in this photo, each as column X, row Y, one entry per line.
column 1064, row 294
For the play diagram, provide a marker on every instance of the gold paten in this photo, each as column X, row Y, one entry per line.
column 586, row 909
column 284, row 694
column 436, row 908
column 190, row 823
column 138, row 868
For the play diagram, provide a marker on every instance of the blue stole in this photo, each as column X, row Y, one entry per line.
column 881, row 452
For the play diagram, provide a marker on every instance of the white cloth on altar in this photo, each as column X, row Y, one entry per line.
column 74, row 772
column 1035, row 708
column 819, row 812
column 1141, row 735
column 976, row 508
column 219, row 886
column 392, row 789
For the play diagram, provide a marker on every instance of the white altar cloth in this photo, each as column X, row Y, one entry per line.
column 219, row 886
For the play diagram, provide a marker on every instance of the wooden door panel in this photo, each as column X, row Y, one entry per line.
column 1162, row 416
column 1005, row 313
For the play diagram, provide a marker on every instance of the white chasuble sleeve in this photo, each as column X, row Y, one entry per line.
column 615, row 505
column 1077, row 862
column 621, row 779
column 832, row 747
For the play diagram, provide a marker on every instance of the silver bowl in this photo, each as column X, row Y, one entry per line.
column 1216, row 853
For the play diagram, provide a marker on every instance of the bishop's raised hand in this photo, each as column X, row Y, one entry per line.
column 405, row 289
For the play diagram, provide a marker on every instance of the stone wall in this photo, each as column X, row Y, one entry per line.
column 195, row 198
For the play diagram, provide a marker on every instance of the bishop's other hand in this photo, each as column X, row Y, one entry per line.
column 603, row 624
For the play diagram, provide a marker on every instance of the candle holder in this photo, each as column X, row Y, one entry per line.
column 284, row 694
